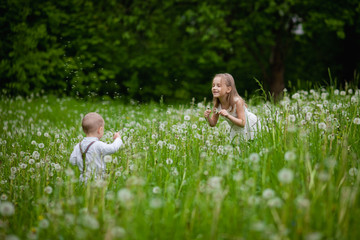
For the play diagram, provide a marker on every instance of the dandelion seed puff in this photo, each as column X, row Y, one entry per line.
column 169, row 161
column 342, row 93
column 214, row 183
column 107, row 159
column 194, row 126
column 356, row 121
column 48, row 190
column 31, row 161
column 46, row 134
column 44, row 223
column 314, row 236
column 3, row 197
column 275, row 202
column 302, row 202
column 322, row 125
column 33, row 142
column 285, row 175
column 186, row 117
column 118, row 232
column 38, row 133
column 124, row 195
column 90, row 222
column 11, row 237
column 174, row 171
column 353, row 172
column 268, row 193
column 117, row 174
column 156, row 190
column 254, row 158
column 331, row 137
column 290, row 156
column 336, row 92
column 7, row 209
column 296, row 96
column 292, row 118
column 155, row 203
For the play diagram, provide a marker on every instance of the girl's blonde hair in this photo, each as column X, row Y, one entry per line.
column 229, row 82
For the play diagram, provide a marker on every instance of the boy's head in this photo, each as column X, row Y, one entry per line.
column 93, row 125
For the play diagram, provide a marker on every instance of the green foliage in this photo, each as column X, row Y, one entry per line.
column 145, row 50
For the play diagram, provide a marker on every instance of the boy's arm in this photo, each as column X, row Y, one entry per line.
column 107, row 149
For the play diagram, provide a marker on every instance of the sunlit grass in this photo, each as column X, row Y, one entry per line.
column 178, row 178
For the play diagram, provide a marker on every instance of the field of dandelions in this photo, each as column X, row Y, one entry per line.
column 178, row 178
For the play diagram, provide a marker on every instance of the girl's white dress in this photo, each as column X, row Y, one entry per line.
column 252, row 124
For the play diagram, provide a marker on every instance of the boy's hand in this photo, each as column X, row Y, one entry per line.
column 116, row 135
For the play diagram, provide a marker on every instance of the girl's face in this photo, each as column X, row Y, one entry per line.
column 219, row 88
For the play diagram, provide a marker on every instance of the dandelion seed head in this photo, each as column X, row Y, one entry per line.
column 7, row 209
column 48, row 190
column 268, row 193
column 285, row 175
column 290, row 156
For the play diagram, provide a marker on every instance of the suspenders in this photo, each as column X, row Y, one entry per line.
column 83, row 154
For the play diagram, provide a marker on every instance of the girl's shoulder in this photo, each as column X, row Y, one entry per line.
column 239, row 100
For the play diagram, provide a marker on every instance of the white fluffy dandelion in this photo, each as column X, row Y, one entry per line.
column 48, row 190
column 186, row 117
column 169, row 161
column 290, row 156
column 107, row 159
column 356, row 121
column 322, row 125
column 285, row 175
column 7, row 209
column 254, row 157
column 124, row 195
column 268, row 193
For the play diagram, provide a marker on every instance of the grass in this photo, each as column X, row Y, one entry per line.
column 178, row 178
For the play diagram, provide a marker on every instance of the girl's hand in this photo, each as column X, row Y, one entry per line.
column 207, row 113
column 224, row 113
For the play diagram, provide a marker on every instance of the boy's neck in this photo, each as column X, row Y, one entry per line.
column 92, row 135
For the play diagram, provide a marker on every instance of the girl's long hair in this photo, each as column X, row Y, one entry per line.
column 229, row 82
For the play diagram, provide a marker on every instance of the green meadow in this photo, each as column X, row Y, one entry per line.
column 176, row 177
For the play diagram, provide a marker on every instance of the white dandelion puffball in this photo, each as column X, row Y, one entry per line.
column 124, row 195
column 285, row 175
column 107, row 159
column 7, row 209
column 48, row 190
column 322, row 125
column 156, row 190
column 290, row 156
column 356, row 121
column 186, row 117
column 268, row 193
column 169, row 161
column 118, row 232
column 254, row 157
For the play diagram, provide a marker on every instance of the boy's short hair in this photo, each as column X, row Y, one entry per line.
column 91, row 122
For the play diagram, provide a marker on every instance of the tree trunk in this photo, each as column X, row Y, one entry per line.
column 277, row 69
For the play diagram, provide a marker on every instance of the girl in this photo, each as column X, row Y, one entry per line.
column 228, row 103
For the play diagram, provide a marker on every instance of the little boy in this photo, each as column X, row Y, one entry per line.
column 89, row 154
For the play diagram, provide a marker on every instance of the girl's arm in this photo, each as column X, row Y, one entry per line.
column 213, row 119
column 240, row 112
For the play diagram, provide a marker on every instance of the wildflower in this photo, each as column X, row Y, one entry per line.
column 353, row 172
column 290, row 156
column 174, row 171
column 314, row 236
column 3, row 197
column 7, row 209
column 48, row 190
column 296, row 96
column 172, row 147
column 90, row 222
column 154, row 136
column 38, row 133
column 254, row 158
column 331, row 137
column 169, row 161
column 156, row 190
column 44, row 223
column 118, row 232
column 31, row 161
column 302, row 202
column 107, row 159
column 268, row 193
column 285, row 175
column 214, row 183
column 124, row 195
column 33, row 142
column 275, row 202
column 36, row 155
column 186, row 117
column 156, row 203
column 342, row 93
column 356, row 121
column 160, row 143
column 11, row 237
column 322, row 125
column 336, row 92
column 292, row 118
column 194, row 126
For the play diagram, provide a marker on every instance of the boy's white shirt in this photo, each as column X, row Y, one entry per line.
column 94, row 157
